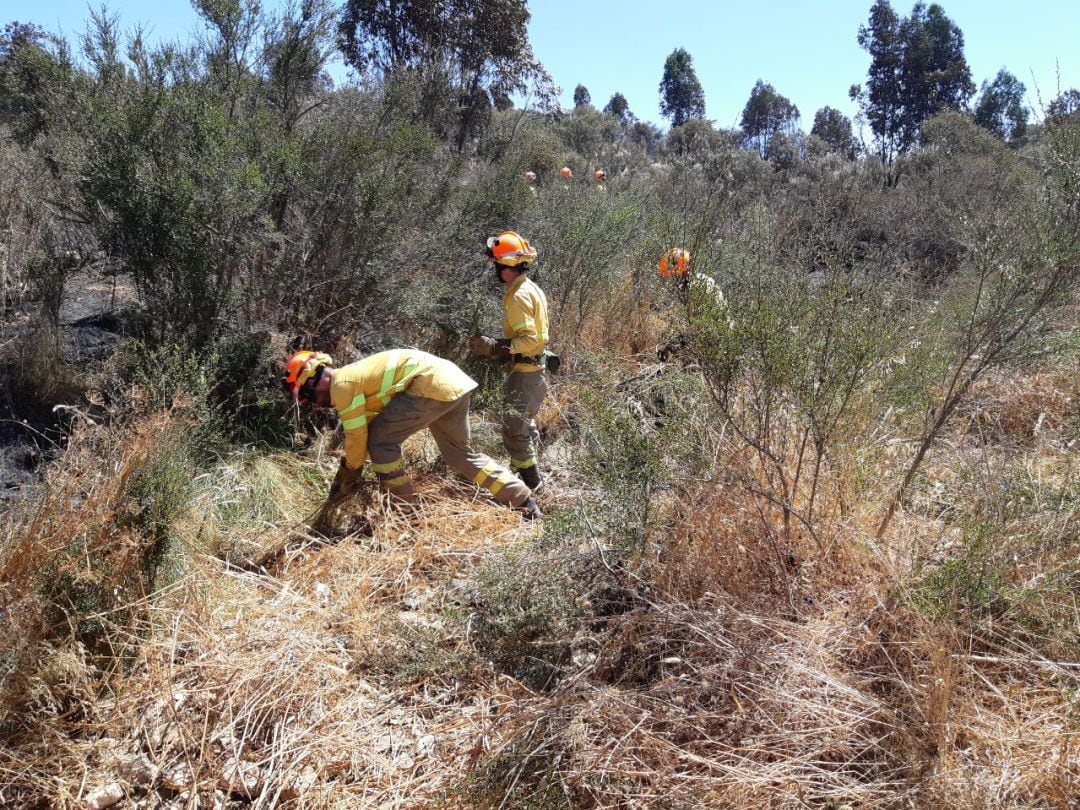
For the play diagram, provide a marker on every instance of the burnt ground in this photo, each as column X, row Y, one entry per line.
column 90, row 330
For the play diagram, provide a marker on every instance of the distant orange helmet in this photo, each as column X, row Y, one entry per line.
column 510, row 249
column 302, row 367
column 676, row 262
column 530, row 177
column 600, row 175
column 566, row 172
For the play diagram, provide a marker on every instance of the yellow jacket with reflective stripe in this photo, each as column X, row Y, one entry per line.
column 525, row 320
column 361, row 390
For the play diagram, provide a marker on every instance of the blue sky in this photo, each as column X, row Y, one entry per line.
column 806, row 50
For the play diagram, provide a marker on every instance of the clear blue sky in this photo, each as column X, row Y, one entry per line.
column 805, row 49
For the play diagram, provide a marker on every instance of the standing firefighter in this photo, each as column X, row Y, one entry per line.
column 525, row 331
column 385, row 398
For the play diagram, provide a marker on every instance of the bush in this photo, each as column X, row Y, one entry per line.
column 529, row 606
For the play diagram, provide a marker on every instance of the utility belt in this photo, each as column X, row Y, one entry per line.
column 548, row 360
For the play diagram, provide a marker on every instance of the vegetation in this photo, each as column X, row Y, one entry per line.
column 681, row 96
column 825, row 555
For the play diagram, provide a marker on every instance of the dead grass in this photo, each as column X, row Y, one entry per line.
column 745, row 711
column 735, row 667
column 270, row 688
column 1021, row 406
column 69, row 553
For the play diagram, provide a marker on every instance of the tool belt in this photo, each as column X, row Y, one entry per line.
column 524, row 358
column 548, row 360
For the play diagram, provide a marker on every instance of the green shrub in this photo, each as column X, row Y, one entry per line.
column 529, row 607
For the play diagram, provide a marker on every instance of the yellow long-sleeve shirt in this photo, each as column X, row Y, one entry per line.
column 361, row 390
column 525, row 320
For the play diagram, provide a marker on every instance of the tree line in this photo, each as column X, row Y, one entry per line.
column 227, row 176
column 918, row 69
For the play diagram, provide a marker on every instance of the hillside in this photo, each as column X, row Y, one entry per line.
column 823, row 554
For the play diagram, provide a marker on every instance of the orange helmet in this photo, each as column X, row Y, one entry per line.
column 600, row 175
column 302, row 367
column 510, row 249
column 676, row 262
column 566, row 172
column 530, row 177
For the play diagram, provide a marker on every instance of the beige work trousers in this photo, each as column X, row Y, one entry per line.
column 448, row 422
column 524, row 392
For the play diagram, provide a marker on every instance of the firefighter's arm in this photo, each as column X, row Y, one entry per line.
column 356, row 447
column 351, row 404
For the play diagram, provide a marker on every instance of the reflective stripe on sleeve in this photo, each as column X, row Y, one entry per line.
column 388, row 375
column 355, row 422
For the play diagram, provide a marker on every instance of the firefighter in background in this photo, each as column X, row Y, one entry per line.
column 530, row 180
column 525, row 331
column 385, row 398
column 601, row 179
column 567, row 175
column 697, row 292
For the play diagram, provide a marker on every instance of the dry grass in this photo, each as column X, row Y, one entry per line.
column 726, row 665
column 861, row 707
column 1021, row 406
column 271, row 687
column 71, row 545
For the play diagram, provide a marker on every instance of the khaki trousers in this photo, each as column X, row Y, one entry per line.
column 524, row 392
column 448, row 422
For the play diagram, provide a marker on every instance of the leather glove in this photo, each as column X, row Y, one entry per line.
column 346, row 481
column 482, row 345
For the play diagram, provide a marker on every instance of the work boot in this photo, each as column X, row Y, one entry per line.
column 529, row 510
column 530, row 477
column 400, row 495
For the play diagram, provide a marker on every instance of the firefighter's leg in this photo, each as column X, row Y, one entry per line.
column 452, row 434
column 403, row 416
column 524, row 393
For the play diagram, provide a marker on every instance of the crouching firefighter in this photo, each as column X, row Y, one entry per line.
column 385, row 398
column 699, row 295
column 523, row 349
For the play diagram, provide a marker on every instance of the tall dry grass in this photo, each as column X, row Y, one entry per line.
column 719, row 663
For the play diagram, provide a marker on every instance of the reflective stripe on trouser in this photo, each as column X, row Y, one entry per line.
column 449, row 424
column 524, row 392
